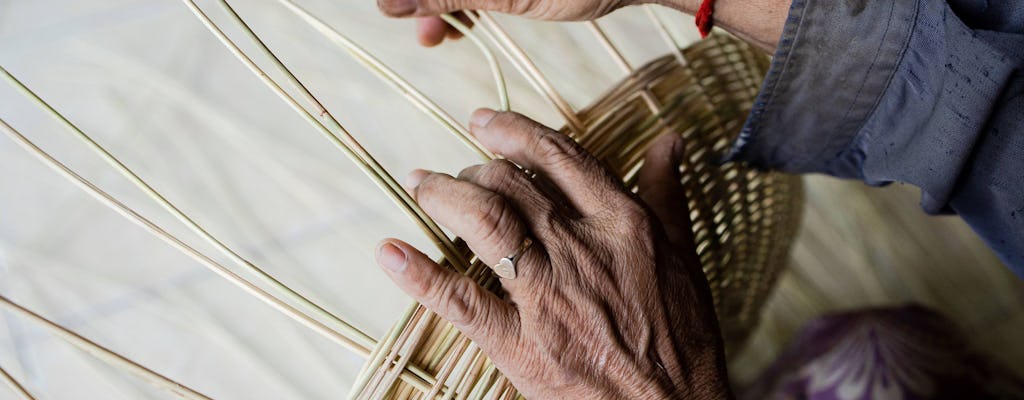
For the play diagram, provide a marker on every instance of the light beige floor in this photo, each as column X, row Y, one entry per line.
column 145, row 79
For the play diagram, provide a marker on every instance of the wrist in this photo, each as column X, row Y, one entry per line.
column 686, row 6
column 759, row 22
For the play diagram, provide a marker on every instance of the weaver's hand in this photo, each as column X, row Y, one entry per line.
column 432, row 30
column 610, row 300
column 757, row 21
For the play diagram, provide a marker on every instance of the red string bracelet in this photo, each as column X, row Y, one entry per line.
column 704, row 20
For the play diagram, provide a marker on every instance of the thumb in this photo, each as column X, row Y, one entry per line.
column 478, row 313
column 407, row 8
column 659, row 187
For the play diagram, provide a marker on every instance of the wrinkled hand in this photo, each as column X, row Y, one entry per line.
column 610, row 301
column 432, row 30
column 759, row 22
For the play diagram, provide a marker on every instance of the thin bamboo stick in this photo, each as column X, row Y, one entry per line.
column 469, row 378
column 401, row 332
column 390, row 355
column 400, row 84
column 527, row 67
column 383, row 72
column 376, row 358
column 606, row 42
column 666, row 36
column 499, row 78
column 156, row 230
column 397, row 364
column 677, row 51
column 18, row 389
column 448, row 367
column 395, row 335
column 621, row 61
column 344, row 328
column 104, row 354
column 345, row 142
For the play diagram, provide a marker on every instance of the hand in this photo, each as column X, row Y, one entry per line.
column 432, row 30
column 759, row 22
column 610, row 301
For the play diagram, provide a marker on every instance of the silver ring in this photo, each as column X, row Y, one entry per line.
column 506, row 268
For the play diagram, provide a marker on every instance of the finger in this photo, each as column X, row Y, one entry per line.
column 431, row 31
column 581, row 178
column 485, row 220
column 660, row 188
column 487, row 320
column 406, row 8
column 507, row 180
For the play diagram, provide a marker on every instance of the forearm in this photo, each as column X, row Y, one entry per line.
column 759, row 22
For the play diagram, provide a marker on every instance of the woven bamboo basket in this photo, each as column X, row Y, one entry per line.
column 744, row 220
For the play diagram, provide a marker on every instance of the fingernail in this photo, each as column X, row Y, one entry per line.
column 677, row 149
column 482, row 117
column 415, row 177
column 398, row 8
column 391, row 257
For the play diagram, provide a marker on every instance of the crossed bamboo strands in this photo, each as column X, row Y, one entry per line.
column 386, row 365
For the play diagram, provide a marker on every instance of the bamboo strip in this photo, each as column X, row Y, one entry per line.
column 376, row 358
column 666, row 35
column 346, row 143
column 677, row 51
column 448, row 367
column 381, row 371
column 409, row 345
column 354, row 334
column 104, row 354
column 18, row 389
column 525, row 65
column 156, row 230
column 499, row 78
column 396, row 81
column 623, row 64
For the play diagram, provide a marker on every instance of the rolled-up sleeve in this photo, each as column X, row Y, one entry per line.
column 926, row 92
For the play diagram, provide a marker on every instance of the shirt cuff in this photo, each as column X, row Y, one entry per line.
column 880, row 91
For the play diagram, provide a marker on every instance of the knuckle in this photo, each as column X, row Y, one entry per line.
column 495, row 174
column 633, row 214
column 469, row 173
column 558, row 149
column 427, row 189
column 626, row 216
column 421, row 286
column 457, row 303
column 494, row 216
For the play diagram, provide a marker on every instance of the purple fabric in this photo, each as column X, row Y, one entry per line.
column 905, row 353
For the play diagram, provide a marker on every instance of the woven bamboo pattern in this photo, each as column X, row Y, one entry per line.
column 744, row 220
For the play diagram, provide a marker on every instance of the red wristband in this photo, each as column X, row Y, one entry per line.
column 704, row 20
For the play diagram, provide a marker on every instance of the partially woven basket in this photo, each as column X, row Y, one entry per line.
column 744, row 220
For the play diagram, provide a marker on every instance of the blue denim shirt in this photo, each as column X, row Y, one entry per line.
column 927, row 92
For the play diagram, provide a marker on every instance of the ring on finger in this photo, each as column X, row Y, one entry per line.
column 506, row 267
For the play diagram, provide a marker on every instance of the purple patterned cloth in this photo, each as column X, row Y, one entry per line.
column 904, row 353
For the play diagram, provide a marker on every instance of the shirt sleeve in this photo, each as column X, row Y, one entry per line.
column 926, row 92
